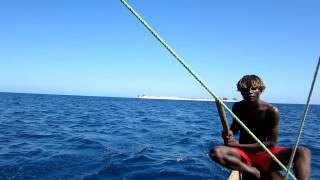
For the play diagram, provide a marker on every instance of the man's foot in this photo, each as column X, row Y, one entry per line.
column 252, row 174
column 256, row 172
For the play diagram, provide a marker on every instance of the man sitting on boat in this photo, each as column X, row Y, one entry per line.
column 262, row 119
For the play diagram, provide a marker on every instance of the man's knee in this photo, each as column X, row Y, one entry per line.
column 217, row 153
column 303, row 152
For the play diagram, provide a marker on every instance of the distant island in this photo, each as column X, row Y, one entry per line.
column 184, row 99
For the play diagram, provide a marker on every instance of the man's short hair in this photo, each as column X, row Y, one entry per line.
column 248, row 81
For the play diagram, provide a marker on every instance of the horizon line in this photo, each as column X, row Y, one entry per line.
column 179, row 98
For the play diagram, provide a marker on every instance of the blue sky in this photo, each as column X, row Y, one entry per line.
column 99, row 48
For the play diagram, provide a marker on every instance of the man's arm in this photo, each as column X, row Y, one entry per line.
column 274, row 117
column 234, row 128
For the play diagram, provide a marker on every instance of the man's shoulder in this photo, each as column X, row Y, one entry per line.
column 270, row 108
column 238, row 103
column 272, row 113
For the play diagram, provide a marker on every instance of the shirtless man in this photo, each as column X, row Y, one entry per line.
column 262, row 119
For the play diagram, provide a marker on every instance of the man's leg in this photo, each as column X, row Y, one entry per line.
column 302, row 161
column 275, row 176
column 230, row 158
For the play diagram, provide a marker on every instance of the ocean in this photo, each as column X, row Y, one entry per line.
column 80, row 137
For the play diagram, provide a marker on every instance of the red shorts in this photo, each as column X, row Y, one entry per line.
column 261, row 159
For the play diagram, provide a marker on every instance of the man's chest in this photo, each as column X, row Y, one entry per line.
column 257, row 122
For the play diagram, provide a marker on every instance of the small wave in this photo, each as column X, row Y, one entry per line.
column 82, row 143
column 18, row 145
column 179, row 174
column 140, row 160
column 183, row 141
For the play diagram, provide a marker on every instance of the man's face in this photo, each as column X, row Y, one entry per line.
column 250, row 94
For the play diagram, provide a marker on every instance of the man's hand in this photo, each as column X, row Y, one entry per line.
column 231, row 142
column 227, row 135
column 228, row 139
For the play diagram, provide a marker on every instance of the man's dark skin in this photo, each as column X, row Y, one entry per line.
column 262, row 119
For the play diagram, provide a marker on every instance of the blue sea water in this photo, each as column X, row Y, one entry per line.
column 78, row 137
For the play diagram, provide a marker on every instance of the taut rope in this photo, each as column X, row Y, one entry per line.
column 303, row 119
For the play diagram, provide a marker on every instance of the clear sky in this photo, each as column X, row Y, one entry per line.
column 99, row 48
